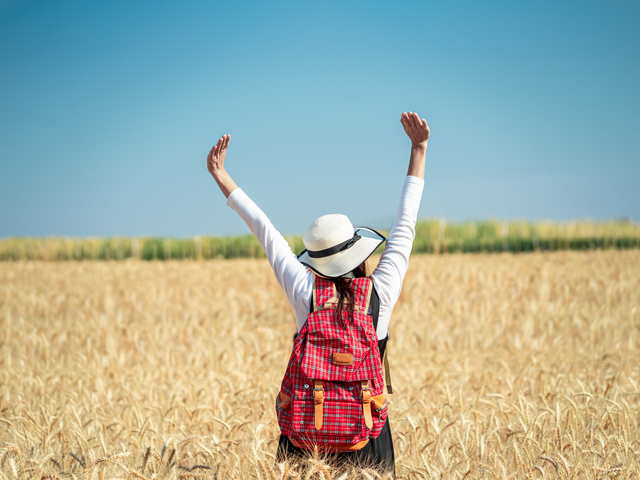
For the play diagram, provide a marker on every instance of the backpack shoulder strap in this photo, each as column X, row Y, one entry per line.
column 375, row 306
column 323, row 295
column 375, row 314
column 362, row 288
column 387, row 371
column 373, row 302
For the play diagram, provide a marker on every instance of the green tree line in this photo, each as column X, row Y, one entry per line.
column 435, row 236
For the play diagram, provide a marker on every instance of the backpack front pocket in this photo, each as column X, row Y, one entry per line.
column 342, row 423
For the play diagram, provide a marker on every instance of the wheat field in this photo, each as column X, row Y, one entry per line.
column 504, row 366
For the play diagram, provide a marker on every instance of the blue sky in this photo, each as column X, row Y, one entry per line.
column 108, row 110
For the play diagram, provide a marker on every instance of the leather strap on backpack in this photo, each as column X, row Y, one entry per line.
column 366, row 404
column 387, row 372
column 318, row 400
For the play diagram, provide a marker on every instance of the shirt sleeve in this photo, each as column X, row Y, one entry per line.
column 389, row 274
column 294, row 278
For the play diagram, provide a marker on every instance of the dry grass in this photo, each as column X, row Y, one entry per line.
column 505, row 367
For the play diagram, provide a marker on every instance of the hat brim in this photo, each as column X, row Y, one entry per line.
column 341, row 263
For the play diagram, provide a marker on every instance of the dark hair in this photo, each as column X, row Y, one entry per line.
column 343, row 288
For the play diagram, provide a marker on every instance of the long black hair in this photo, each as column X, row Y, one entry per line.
column 345, row 293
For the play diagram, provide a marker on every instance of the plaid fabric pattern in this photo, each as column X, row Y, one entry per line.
column 311, row 359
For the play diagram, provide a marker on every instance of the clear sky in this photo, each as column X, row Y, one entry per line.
column 109, row 108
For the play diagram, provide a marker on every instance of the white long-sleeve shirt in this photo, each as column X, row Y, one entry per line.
column 297, row 281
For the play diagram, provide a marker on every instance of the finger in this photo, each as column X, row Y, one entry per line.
column 407, row 127
column 415, row 120
column 410, row 119
column 213, row 152
column 417, row 124
column 228, row 141
column 412, row 123
column 424, row 124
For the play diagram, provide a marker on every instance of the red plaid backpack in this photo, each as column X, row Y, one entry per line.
column 332, row 392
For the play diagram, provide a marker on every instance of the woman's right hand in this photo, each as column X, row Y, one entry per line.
column 417, row 130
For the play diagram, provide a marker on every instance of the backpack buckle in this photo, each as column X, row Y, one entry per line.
column 318, row 391
column 365, row 392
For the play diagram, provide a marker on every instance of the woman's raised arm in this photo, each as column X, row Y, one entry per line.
column 293, row 277
column 389, row 274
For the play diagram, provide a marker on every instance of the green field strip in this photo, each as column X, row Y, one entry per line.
column 434, row 236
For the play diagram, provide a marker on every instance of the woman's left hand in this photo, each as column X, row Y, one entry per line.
column 215, row 165
column 215, row 160
column 416, row 129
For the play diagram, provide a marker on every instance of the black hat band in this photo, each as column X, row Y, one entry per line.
column 327, row 252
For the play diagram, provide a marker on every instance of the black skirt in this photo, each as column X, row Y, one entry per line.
column 377, row 454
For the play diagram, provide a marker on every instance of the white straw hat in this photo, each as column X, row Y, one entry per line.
column 334, row 249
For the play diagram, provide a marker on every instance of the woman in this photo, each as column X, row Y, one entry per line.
column 336, row 252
